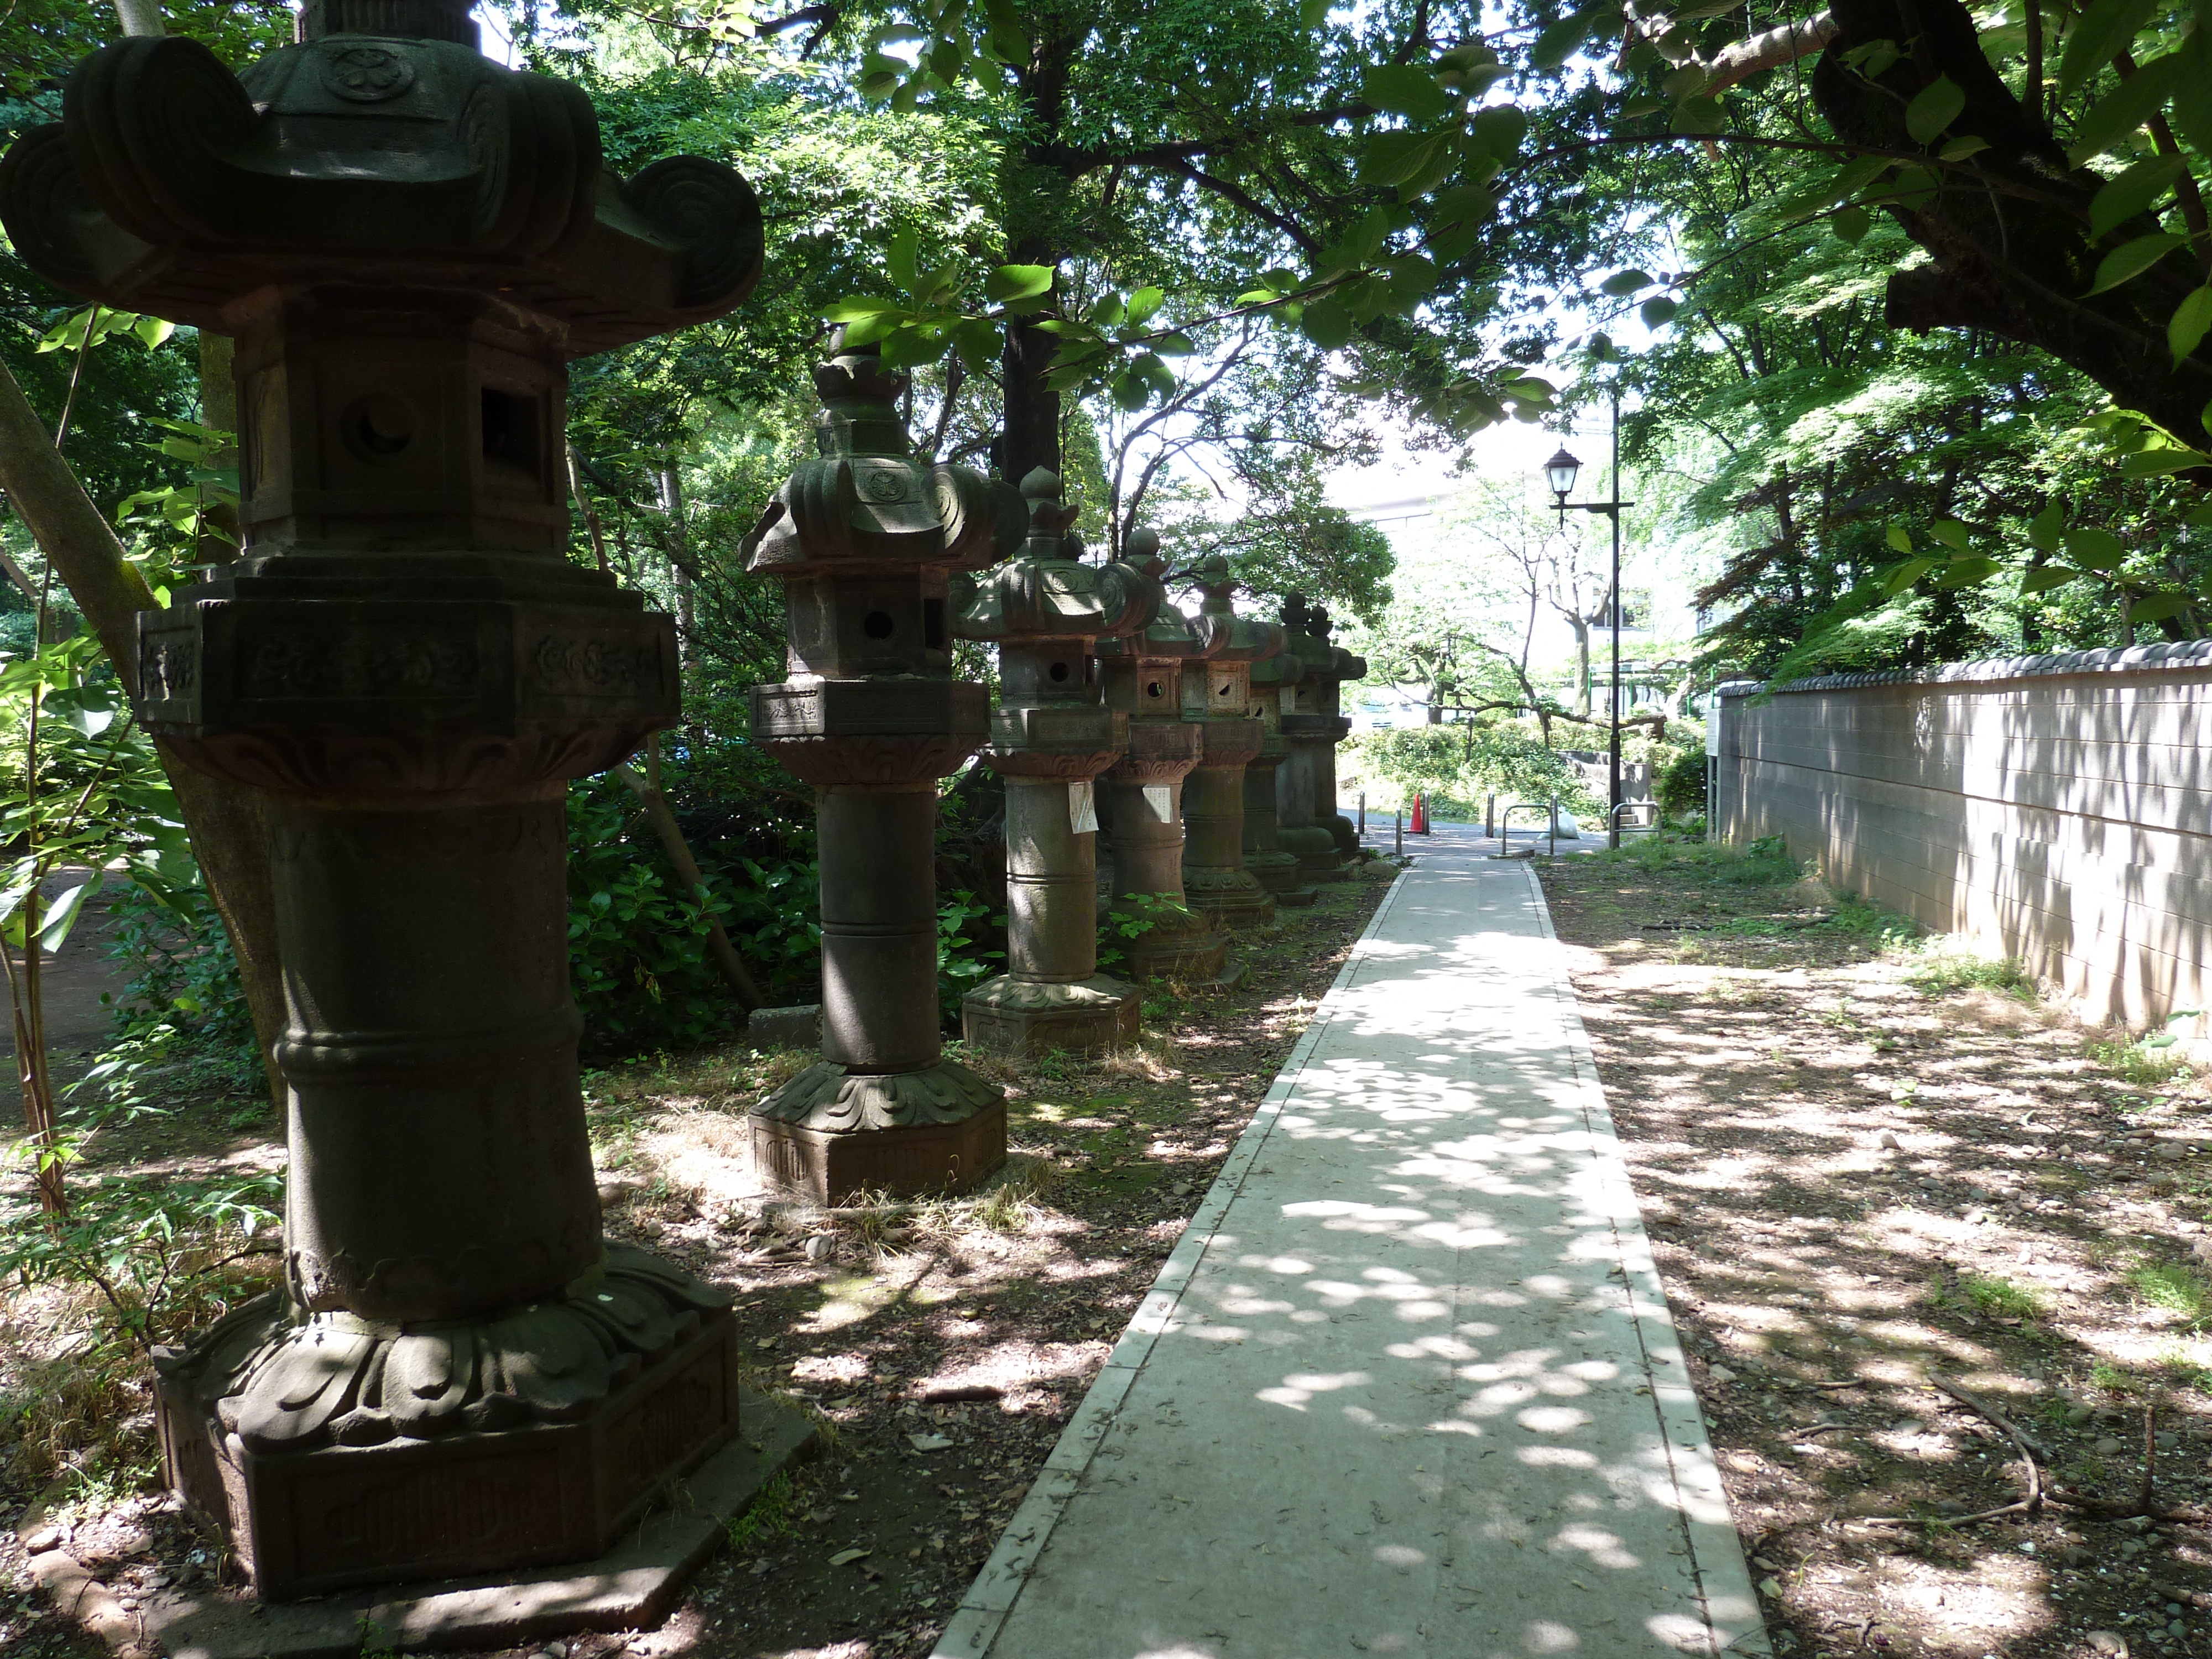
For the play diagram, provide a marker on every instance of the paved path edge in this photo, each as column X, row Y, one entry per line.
column 974, row 1625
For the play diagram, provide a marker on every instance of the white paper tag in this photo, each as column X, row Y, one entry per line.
column 1157, row 798
column 1082, row 809
column 1289, row 696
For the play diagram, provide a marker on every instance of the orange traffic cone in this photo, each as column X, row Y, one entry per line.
column 1420, row 823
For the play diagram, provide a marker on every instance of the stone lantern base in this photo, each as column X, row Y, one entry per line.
column 833, row 1132
column 1280, row 873
column 1185, row 949
column 1233, row 897
column 332, row 1452
column 1009, row 1015
column 1316, row 852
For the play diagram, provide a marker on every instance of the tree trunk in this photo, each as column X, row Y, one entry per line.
column 230, row 835
column 1031, row 438
column 1582, row 665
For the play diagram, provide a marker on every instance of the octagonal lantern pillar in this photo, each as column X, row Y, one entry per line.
column 1274, row 684
column 1144, row 675
column 1306, row 782
column 865, row 539
column 1052, row 736
column 409, row 243
column 1214, row 878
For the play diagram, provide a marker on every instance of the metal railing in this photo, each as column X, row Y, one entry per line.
column 1506, row 823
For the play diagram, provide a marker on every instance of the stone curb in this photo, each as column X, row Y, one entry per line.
column 974, row 1625
column 1725, row 1595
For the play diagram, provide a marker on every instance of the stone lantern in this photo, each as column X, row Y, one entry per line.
column 410, row 243
column 1144, row 676
column 865, row 539
column 1213, row 873
column 1323, row 838
column 1274, row 684
column 1051, row 736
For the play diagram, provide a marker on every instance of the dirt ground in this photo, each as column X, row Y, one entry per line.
column 1911, row 1219
column 940, row 1348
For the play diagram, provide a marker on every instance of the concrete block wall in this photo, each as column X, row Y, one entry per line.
column 2054, row 809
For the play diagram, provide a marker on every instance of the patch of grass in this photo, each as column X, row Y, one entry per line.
column 1991, row 1295
column 771, row 1517
column 2175, row 1290
column 2110, row 1377
column 1862, row 918
column 2146, row 1062
column 1941, row 972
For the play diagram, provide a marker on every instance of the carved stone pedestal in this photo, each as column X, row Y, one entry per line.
column 865, row 539
column 336, row 1451
column 1051, row 738
column 409, row 244
column 1220, row 696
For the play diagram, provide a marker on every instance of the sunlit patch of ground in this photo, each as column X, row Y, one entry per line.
column 1854, row 1184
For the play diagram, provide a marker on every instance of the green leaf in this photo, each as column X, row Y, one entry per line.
column 977, row 342
column 864, row 330
column 1407, row 89
column 1402, row 156
column 1960, row 150
column 1008, row 45
column 1658, row 310
column 1130, row 391
column 2093, row 549
column 901, row 255
column 1327, row 323
column 2131, row 259
column 1932, row 109
column 1175, row 344
column 2045, row 578
column 1498, row 129
column 1951, row 534
column 1898, row 577
column 1975, row 568
column 2121, row 113
column 1312, row 14
column 1017, row 282
column 2131, row 193
column 1600, row 348
column 855, row 306
column 1143, row 303
column 1895, row 536
column 2155, row 606
column 152, row 331
column 1852, row 224
column 1699, row 115
column 1557, row 44
column 2191, row 319
column 2191, row 98
column 1624, row 283
column 2044, row 529
column 2104, row 32
column 2159, row 462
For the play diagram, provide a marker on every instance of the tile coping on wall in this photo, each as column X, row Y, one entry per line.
column 2183, row 656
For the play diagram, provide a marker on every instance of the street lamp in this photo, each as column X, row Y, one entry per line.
column 1560, row 472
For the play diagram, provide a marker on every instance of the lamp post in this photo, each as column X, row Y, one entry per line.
column 1560, row 472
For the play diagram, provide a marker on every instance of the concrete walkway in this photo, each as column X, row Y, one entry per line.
column 1408, row 1385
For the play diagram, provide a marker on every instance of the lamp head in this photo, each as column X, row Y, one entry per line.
column 1560, row 472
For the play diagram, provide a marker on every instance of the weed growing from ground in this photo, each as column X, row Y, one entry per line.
column 2110, row 1377
column 2175, row 1290
column 1941, row 972
column 2000, row 1297
column 770, row 1518
column 2147, row 1062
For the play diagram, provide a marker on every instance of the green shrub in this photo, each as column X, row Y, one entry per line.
column 1455, row 766
column 1679, row 784
column 2175, row 1290
column 182, row 1005
column 2147, row 1062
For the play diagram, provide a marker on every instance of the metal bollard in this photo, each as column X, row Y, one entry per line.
column 1489, row 815
column 1555, row 826
column 1363, row 815
column 1398, row 834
